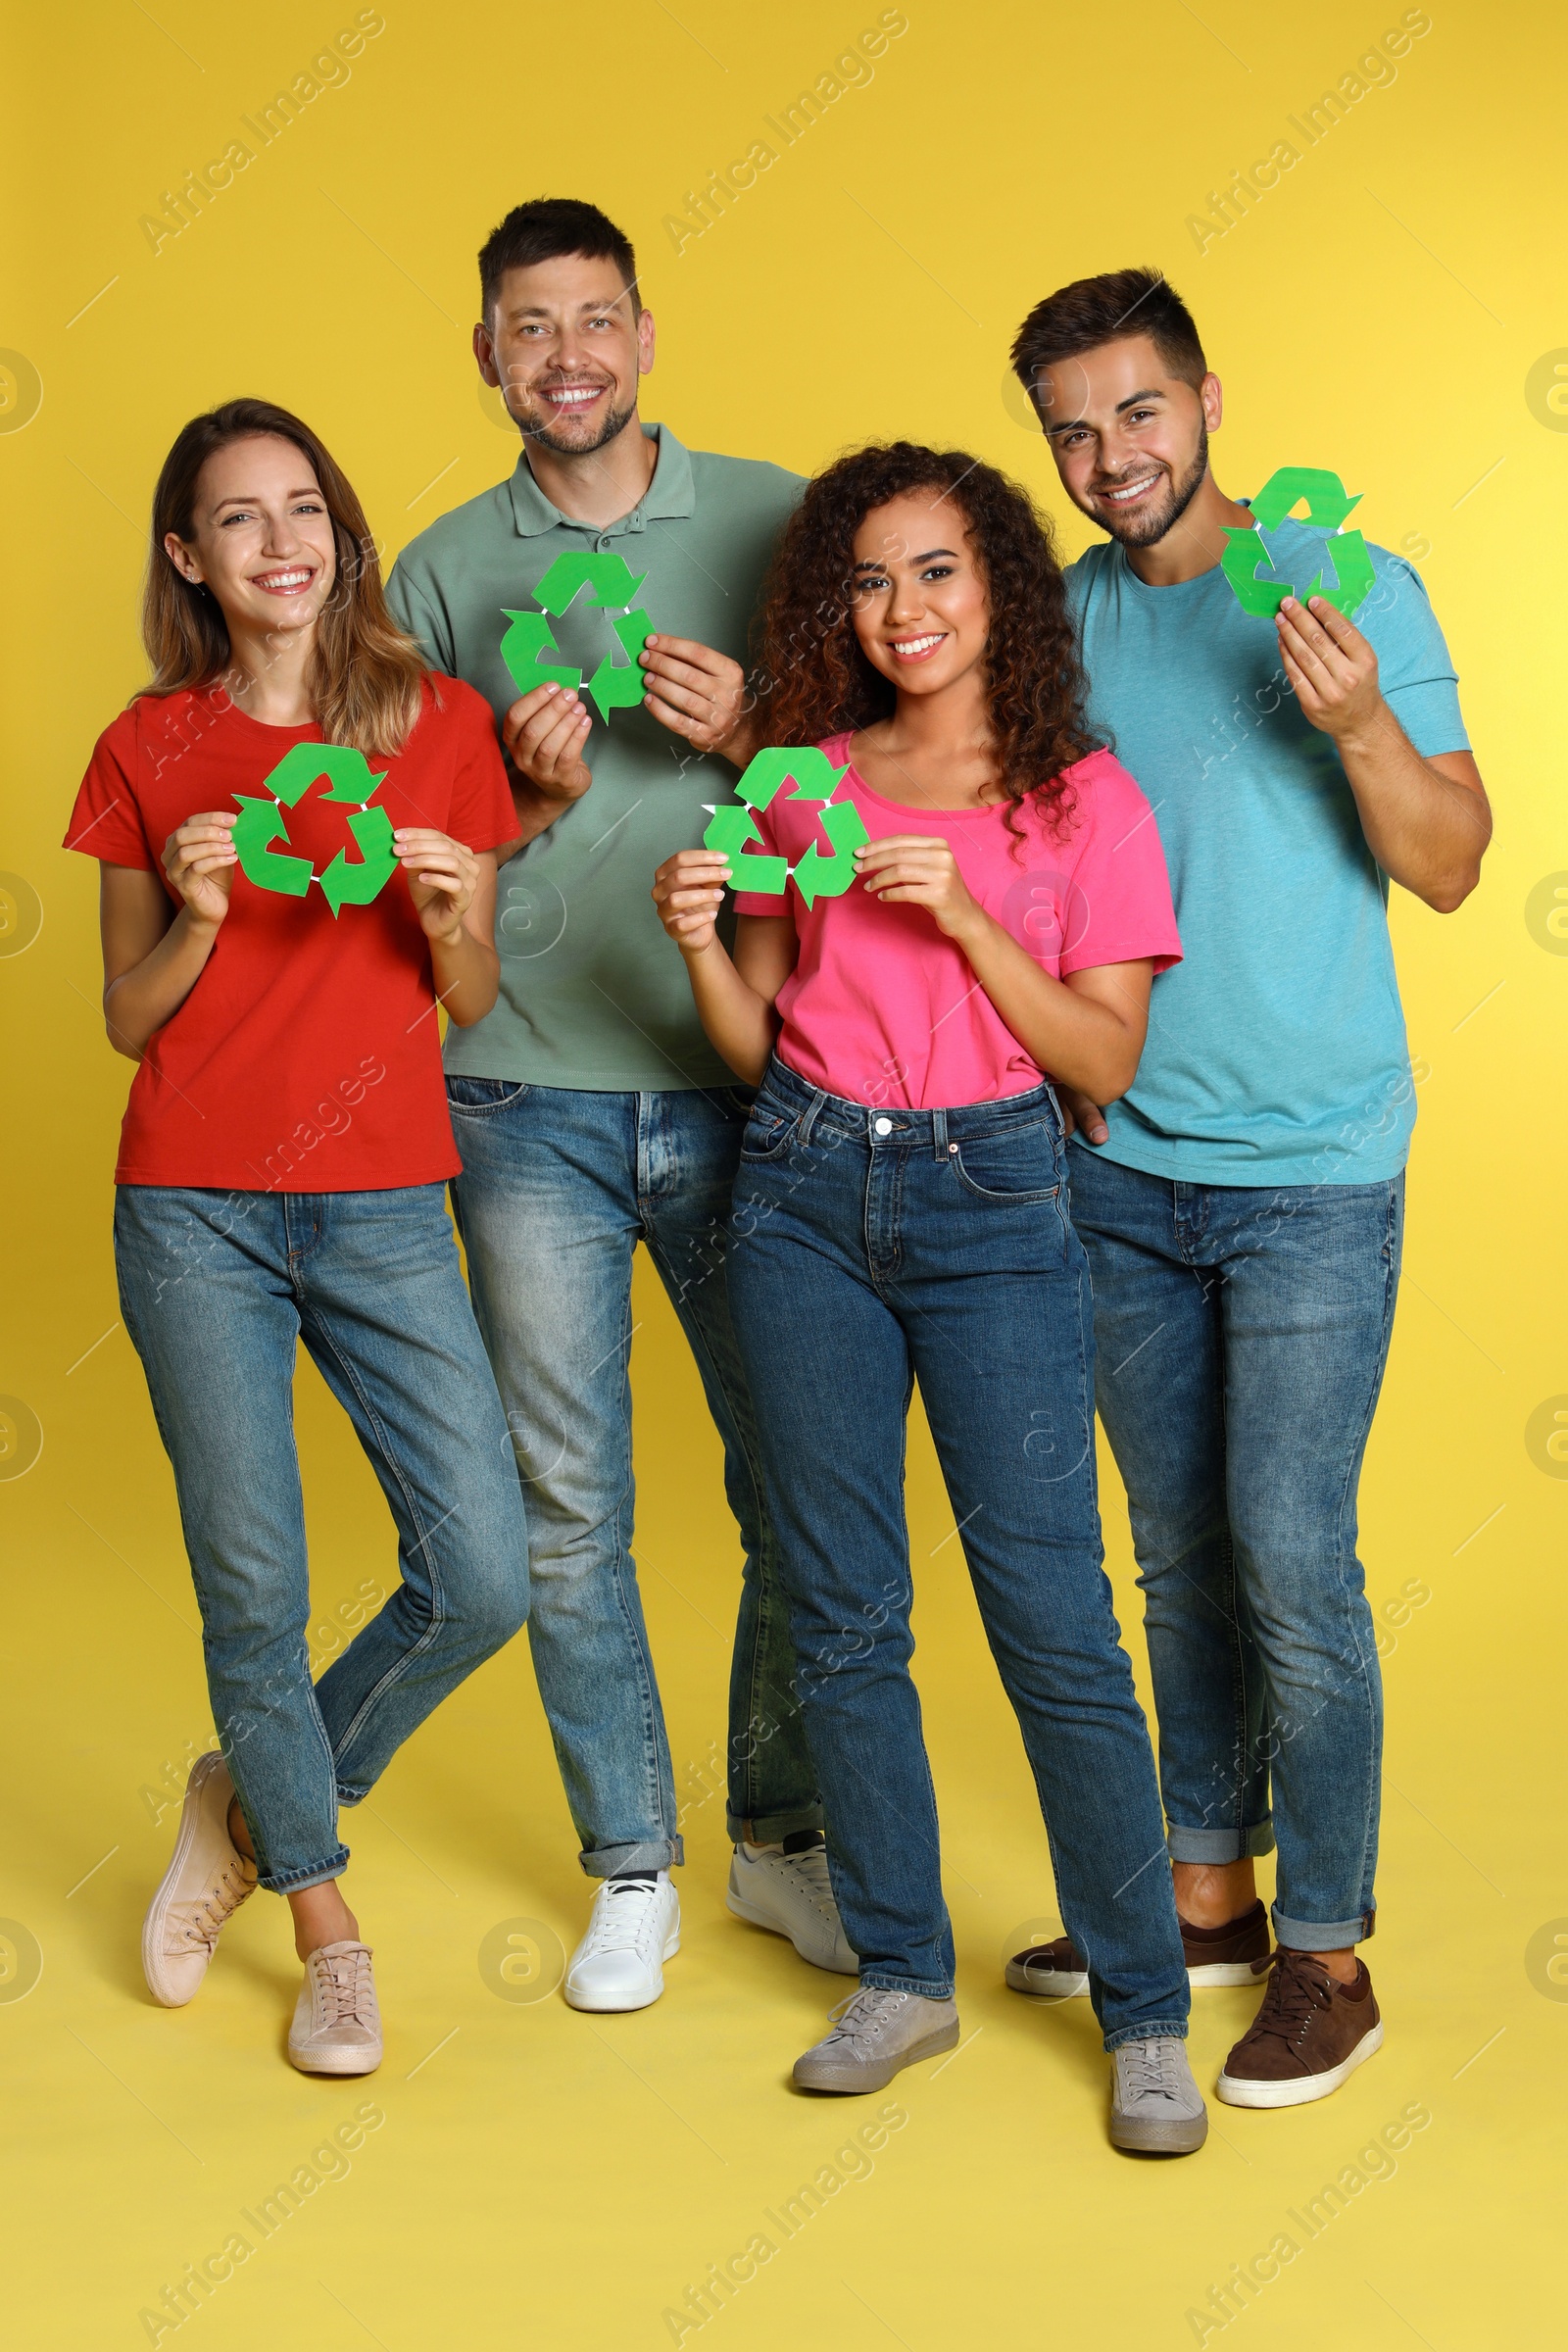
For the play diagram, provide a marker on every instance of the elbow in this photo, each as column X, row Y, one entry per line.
column 1449, row 893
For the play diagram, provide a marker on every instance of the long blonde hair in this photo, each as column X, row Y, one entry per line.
column 366, row 678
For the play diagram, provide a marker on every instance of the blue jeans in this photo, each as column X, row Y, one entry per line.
column 1243, row 1334
column 874, row 1249
column 559, row 1185
column 217, row 1289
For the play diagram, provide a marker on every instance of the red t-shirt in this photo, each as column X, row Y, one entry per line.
column 307, row 1058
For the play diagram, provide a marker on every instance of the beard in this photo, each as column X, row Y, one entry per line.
column 1144, row 529
column 565, row 443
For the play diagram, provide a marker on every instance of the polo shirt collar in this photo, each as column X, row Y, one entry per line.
column 671, row 492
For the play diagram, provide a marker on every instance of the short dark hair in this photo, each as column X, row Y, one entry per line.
column 544, row 230
column 1099, row 310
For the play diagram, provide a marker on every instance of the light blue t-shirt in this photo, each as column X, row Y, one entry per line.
column 1276, row 1051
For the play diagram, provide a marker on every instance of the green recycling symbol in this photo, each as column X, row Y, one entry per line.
column 261, row 822
column 613, row 686
column 815, row 778
column 1326, row 506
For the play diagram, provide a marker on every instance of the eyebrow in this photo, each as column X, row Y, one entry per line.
column 872, row 563
column 248, row 498
column 1133, row 399
column 542, row 310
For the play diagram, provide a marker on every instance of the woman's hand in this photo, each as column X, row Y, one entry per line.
column 919, row 869
column 443, row 877
column 200, row 861
column 689, row 890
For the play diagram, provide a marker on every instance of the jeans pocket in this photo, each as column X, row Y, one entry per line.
column 769, row 1132
column 1016, row 1167
column 482, row 1098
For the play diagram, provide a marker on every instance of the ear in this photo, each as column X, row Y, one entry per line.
column 484, row 352
column 645, row 343
column 182, row 560
column 1213, row 401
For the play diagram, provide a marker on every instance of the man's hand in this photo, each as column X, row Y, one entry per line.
column 1332, row 669
column 699, row 694
column 544, row 735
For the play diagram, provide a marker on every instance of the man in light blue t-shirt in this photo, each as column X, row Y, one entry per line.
column 1242, row 1204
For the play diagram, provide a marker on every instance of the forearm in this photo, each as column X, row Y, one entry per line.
column 1427, row 832
column 740, row 1024
column 138, row 1003
column 467, row 972
column 1088, row 1045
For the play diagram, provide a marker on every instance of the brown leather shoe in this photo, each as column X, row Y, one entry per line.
column 1234, row 1954
column 1311, row 2033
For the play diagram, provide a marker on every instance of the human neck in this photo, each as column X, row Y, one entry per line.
column 602, row 484
column 1195, row 540
column 269, row 674
column 941, row 744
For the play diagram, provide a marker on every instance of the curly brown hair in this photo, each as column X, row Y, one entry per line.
column 817, row 682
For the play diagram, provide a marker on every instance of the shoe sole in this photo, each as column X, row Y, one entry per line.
column 342, row 2062
column 1237, row 2091
column 600, row 2008
column 152, row 1926
column 874, row 2077
column 1183, row 2138
column 761, row 1919
column 1063, row 1987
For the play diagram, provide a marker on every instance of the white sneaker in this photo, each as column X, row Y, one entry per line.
column 792, row 1896
column 633, row 1929
column 202, row 1888
column 337, row 2024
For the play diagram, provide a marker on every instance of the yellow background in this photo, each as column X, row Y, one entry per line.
column 544, row 2179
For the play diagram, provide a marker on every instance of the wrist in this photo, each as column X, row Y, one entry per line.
column 1365, row 732
column 200, row 929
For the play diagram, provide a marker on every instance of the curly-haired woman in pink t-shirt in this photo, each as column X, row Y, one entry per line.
column 902, row 1212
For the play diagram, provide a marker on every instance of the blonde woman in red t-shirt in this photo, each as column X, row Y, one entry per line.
column 274, row 954
column 976, row 905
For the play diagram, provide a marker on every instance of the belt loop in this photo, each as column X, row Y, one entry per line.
column 939, row 1135
column 810, row 1120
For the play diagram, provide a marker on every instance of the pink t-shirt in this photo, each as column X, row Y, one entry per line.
column 881, row 1008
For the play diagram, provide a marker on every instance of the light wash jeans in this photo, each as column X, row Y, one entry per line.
column 1242, row 1335
column 877, row 1247
column 559, row 1185
column 217, row 1289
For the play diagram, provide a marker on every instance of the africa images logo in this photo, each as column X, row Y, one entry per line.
column 612, row 585
column 262, row 822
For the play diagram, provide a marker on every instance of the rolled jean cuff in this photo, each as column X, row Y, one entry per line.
column 310, row 1874
column 1220, row 1845
column 1319, row 1935
column 614, row 1861
column 1159, row 2029
column 930, row 1988
column 772, row 1828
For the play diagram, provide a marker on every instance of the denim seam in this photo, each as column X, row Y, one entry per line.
column 432, row 1632
column 1155, row 2029
column 1369, row 1667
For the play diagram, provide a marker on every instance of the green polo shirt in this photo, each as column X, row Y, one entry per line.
column 593, row 993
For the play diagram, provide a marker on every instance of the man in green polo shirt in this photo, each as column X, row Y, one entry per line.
column 590, row 1110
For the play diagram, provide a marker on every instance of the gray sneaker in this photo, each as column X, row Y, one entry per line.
column 874, row 2034
column 1156, row 2107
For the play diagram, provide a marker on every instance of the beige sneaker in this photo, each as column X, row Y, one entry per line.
column 337, row 2026
column 875, row 2032
column 202, row 1888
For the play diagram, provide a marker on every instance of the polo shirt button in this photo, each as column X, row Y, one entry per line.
column 882, row 1126
column 601, row 546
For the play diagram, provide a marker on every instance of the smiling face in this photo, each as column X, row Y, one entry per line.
column 261, row 537
column 922, row 610
column 567, row 344
column 1130, row 439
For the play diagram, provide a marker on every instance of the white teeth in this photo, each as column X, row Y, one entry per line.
column 917, row 645
column 1131, row 490
column 282, row 579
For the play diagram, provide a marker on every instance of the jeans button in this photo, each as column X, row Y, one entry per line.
column 882, row 1126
